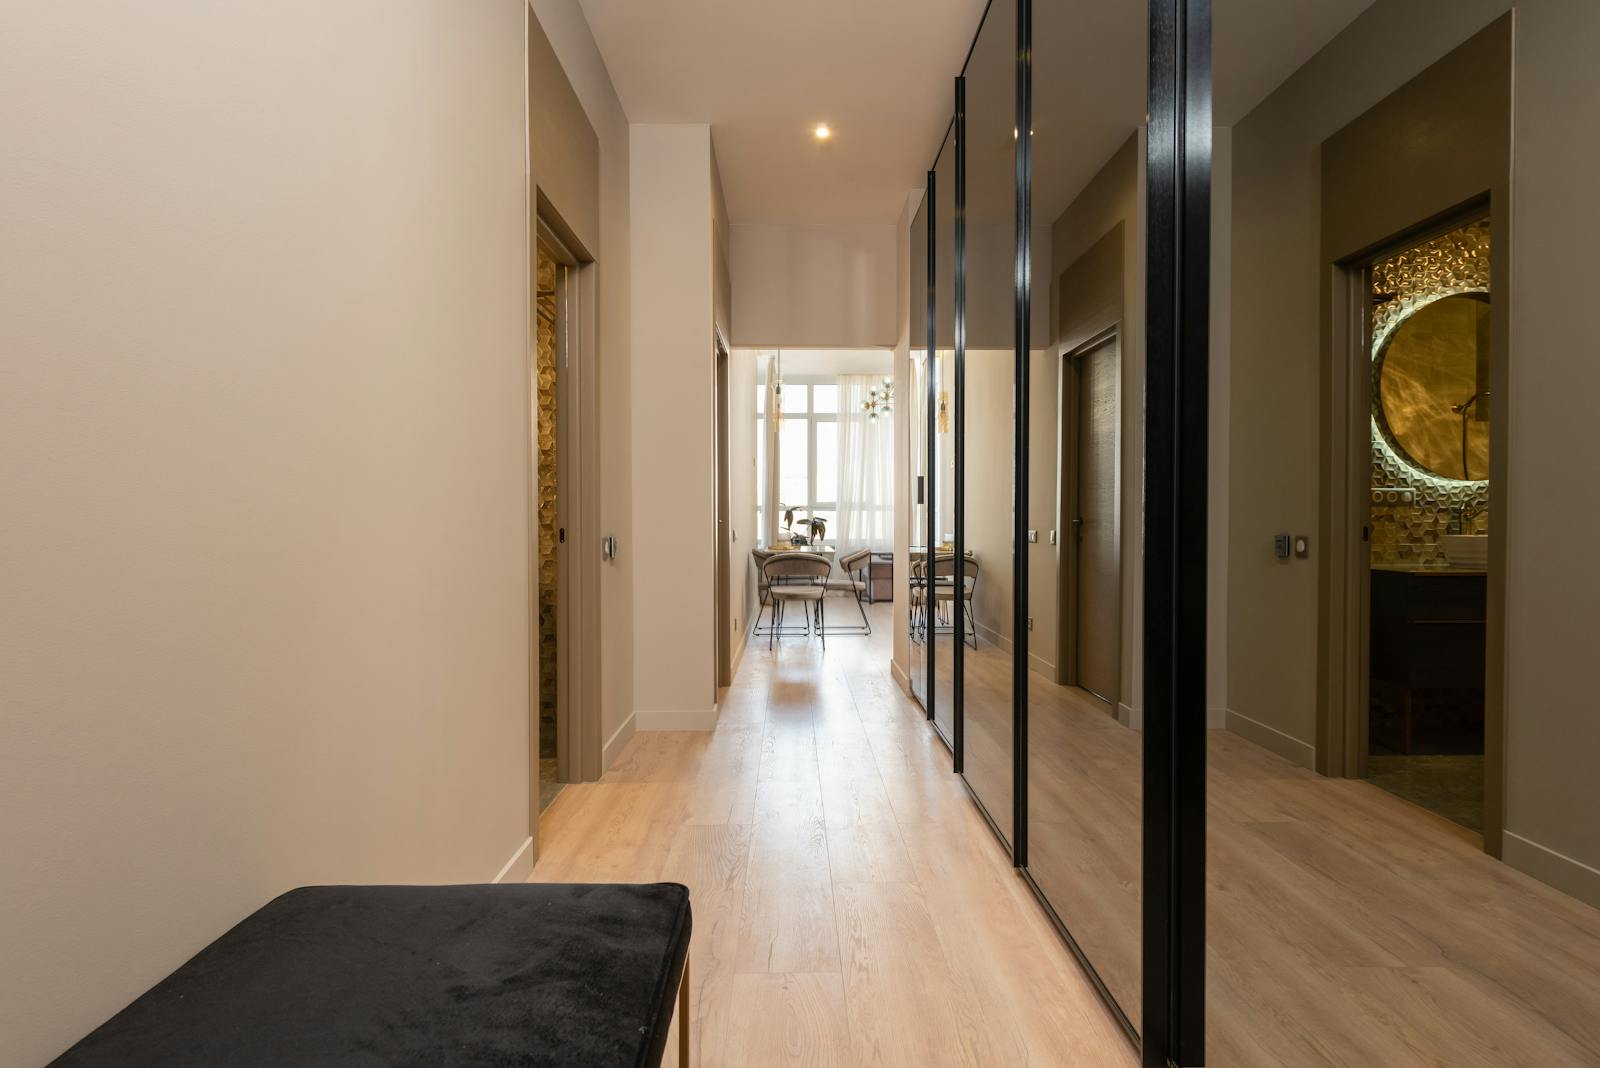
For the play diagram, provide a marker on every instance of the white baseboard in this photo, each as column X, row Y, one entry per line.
column 1129, row 716
column 1216, row 718
column 1040, row 666
column 899, row 675
column 520, row 866
column 1545, row 864
column 619, row 738
column 1271, row 739
column 675, row 719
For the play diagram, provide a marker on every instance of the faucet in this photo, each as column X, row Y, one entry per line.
column 1463, row 409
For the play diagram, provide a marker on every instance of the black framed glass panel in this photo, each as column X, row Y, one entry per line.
column 981, row 598
column 916, row 406
column 938, row 621
column 1085, row 745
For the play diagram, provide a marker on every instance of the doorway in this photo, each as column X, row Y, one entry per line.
column 724, row 561
column 563, row 509
column 1432, row 359
column 1091, row 575
column 552, row 351
column 1413, row 620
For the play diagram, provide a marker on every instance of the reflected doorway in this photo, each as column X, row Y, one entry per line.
column 1092, row 575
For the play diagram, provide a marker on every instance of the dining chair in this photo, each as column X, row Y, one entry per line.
column 852, row 566
column 796, row 577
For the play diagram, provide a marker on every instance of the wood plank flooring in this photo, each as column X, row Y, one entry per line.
column 1345, row 926
column 850, row 905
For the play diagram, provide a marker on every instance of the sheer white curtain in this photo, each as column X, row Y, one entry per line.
column 866, row 469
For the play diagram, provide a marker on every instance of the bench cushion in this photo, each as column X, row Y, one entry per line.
column 526, row 974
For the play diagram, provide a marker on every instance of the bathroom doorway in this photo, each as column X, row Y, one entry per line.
column 1425, row 392
column 1432, row 361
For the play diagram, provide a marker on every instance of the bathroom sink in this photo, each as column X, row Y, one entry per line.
column 1466, row 550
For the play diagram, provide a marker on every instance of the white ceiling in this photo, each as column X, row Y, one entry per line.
column 879, row 72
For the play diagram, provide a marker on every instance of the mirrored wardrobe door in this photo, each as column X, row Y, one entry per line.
column 917, row 495
column 1085, row 748
column 943, row 371
column 981, row 595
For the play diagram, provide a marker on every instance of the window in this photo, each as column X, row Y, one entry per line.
column 808, row 457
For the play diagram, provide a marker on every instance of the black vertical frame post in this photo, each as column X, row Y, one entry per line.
column 1178, row 252
column 959, row 308
column 1019, row 533
column 930, row 428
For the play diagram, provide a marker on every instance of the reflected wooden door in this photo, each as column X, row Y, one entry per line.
column 1095, row 526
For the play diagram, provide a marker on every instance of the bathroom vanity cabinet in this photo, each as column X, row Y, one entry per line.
column 1427, row 634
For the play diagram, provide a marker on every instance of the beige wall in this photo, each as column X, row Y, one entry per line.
column 564, row 27
column 1552, row 728
column 673, row 294
column 264, row 461
column 820, row 286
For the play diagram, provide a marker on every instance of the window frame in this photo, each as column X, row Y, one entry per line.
column 812, row 418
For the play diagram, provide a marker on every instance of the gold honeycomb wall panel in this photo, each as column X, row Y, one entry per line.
column 1409, row 534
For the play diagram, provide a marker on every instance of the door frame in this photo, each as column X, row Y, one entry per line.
column 578, row 743
column 722, row 513
column 1068, row 444
column 1345, row 575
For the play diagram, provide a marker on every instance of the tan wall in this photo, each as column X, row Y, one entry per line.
column 815, row 286
column 1552, row 729
column 573, row 45
column 674, row 450
column 563, row 149
column 264, row 461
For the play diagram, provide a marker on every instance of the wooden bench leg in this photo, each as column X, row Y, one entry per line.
column 683, row 1016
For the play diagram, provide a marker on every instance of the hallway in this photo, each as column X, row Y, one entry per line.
column 851, row 906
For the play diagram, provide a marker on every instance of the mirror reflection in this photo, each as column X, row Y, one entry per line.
column 1432, row 373
column 916, row 407
column 935, row 560
column 983, row 589
column 1085, row 742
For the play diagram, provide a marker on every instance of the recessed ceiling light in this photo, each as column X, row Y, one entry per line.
column 823, row 132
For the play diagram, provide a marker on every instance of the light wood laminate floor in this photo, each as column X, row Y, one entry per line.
column 1345, row 926
column 850, row 905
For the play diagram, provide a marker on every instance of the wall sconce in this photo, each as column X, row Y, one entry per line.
column 944, row 411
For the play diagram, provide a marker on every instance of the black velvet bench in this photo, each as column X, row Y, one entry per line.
column 527, row 974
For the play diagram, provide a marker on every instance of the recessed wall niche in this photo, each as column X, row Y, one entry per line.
column 1453, row 263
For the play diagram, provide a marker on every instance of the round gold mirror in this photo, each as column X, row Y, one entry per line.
column 1431, row 385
